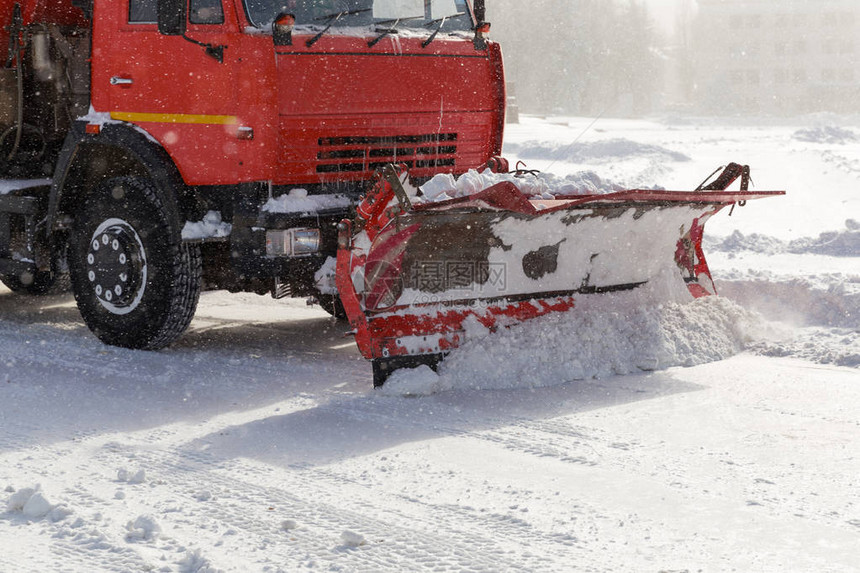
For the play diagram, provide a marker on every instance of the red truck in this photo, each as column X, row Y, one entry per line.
column 151, row 149
column 127, row 124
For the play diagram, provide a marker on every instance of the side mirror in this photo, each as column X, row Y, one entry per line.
column 282, row 29
column 172, row 15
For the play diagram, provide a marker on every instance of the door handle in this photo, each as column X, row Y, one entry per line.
column 118, row 81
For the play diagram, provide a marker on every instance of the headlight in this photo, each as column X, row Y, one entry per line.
column 292, row 242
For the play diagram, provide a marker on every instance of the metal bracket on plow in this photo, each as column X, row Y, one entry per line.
column 389, row 172
column 730, row 173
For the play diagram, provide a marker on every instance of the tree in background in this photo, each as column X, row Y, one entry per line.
column 684, row 54
column 580, row 56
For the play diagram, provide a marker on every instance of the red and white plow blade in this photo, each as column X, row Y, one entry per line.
column 410, row 276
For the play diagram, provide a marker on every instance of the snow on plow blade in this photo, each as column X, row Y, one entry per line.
column 411, row 277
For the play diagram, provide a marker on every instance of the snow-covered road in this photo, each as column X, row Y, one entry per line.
column 257, row 444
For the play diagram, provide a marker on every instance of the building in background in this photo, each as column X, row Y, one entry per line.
column 776, row 58
column 581, row 57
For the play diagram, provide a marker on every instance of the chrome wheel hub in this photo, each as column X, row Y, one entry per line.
column 116, row 266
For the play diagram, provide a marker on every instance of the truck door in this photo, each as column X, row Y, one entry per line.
column 180, row 90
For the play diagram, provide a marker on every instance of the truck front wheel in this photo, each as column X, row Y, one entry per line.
column 136, row 284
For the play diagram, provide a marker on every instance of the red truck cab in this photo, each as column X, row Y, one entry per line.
column 353, row 89
column 264, row 118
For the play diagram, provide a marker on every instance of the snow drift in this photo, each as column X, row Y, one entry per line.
column 606, row 335
column 593, row 152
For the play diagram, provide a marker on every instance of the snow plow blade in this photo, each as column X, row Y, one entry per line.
column 412, row 277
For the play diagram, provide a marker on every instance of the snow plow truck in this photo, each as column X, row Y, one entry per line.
column 153, row 149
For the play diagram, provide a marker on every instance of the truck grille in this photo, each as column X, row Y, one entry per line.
column 366, row 153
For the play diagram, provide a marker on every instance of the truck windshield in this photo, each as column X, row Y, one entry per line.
column 413, row 14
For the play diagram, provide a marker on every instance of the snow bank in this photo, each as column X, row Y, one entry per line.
column 606, row 335
column 604, row 151
column 831, row 299
column 826, row 134
column 445, row 186
column 790, row 282
column 841, row 243
column 840, row 347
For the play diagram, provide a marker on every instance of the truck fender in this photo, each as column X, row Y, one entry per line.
column 117, row 149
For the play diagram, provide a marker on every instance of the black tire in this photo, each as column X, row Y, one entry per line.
column 135, row 282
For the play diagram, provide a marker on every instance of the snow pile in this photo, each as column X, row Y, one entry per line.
column 352, row 539
column 840, row 347
column 841, row 243
column 826, row 134
column 194, row 562
column 446, row 186
column 144, row 528
column 421, row 381
column 211, row 226
column 605, row 335
column 828, row 299
column 32, row 504
column 325, row 277
column 605, row 151
column 125, row 475
column 299, row 201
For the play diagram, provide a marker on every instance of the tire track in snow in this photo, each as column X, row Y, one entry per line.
column 74, row 545
column 553, row 438
column 243, row 506
column 419, row 540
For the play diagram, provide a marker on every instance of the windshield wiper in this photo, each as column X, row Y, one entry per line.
column 441, row 22
column 330, row 19
column 392, row 29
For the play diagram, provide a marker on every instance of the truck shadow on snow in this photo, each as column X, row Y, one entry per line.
column 47, row 310
column 249, row 332
column 57, row 381
column 356, row 426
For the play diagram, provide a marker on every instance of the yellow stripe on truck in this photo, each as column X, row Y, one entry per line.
column 174, row 118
